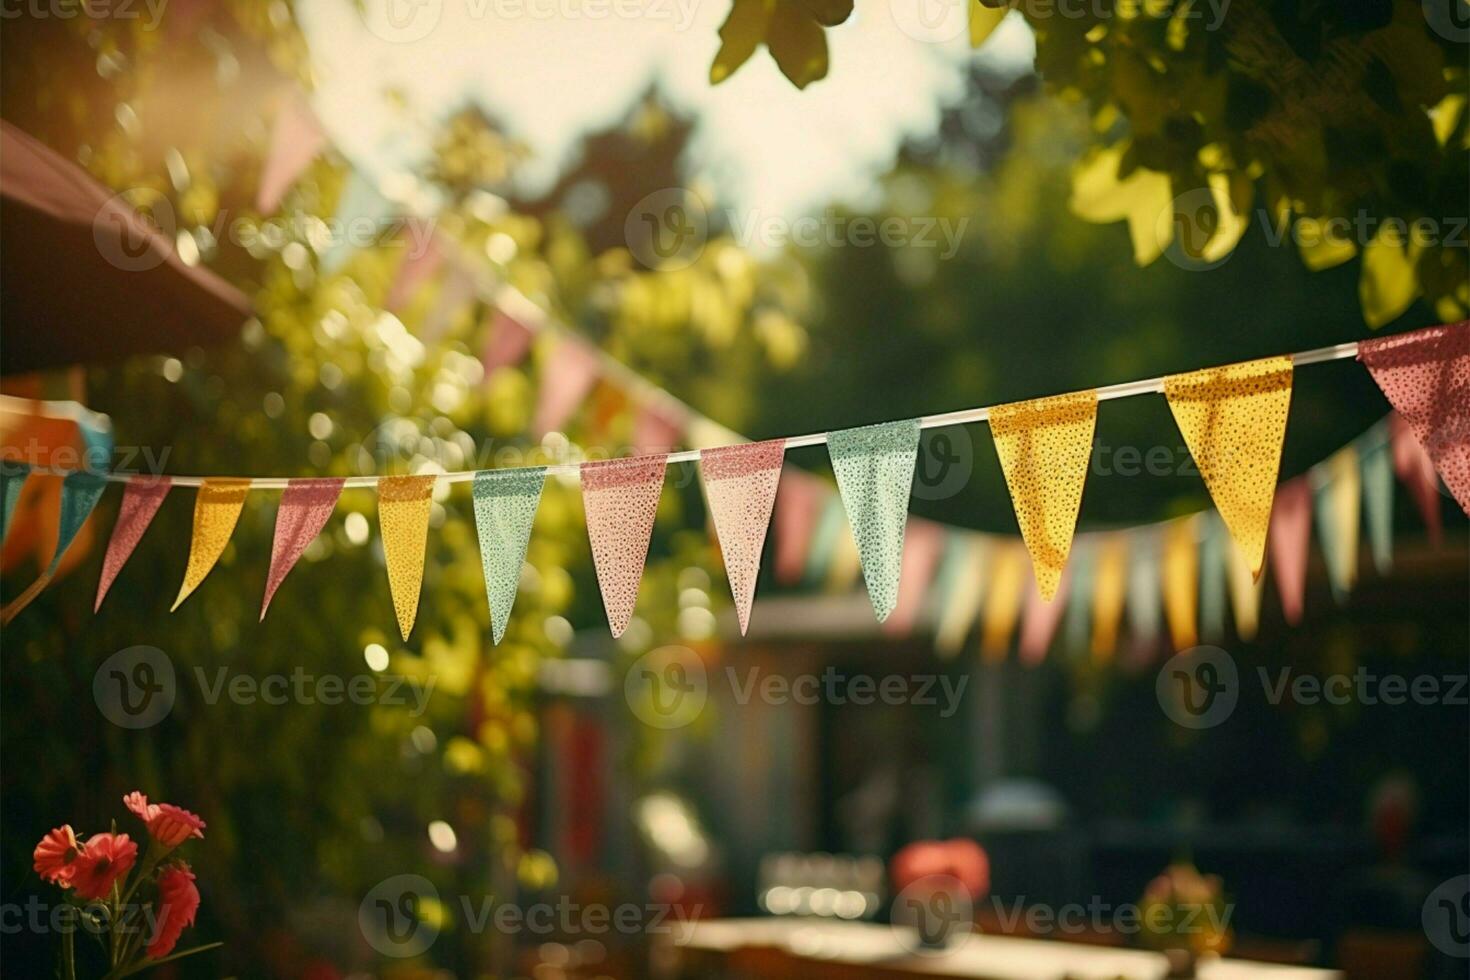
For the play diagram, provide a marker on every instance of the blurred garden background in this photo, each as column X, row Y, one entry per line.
column 1130, row 193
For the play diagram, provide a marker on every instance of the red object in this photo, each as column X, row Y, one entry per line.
column 178, row 902
column 87, row 279
column 55, row 857
column 105, row 859
column 168, row 824
column 957, row 858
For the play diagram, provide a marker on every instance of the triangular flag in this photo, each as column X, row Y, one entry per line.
column 1376, row 461
column 142, row 496
column 570, row 370
column 1416, row 470
column 621, row 500
column 505, row 509
column 80, row 492
column 296, row 139
column 965, row 594
column 12, row 478
column 875, row 474
column 658, row 428
column 1145, row 590
column 1245, row 591
column 1339, row 493
column 822, row 548
column 404, row 503
column 1291, row 533
column 1109, row 593
column 740, row 483
column 424, row 257
column 1214, row 546
column 359, row 205
column 1078, row 600
column 1426, row 377
column 1040, row 618
column 1045, row 446
column 1181, row 581
column 506, row 344
column 1234, row 421
column 844, row 564
column 798, row 503
column 1003, row 593
column 923, row 544
column 216, row 509
column 305, row 507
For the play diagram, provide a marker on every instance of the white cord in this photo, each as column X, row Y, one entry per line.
column 1128, row 389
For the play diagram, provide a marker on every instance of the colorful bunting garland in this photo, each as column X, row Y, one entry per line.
column 1232, row 418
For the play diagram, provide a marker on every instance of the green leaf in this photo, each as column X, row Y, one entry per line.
column 828, row 13
column 740, row 34
column 985, row 17
column 1387, row 283
column 798, row 44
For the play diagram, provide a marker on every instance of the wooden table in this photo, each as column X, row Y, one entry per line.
column 816, row 950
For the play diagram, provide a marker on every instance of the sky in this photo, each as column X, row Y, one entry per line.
column 554, row 69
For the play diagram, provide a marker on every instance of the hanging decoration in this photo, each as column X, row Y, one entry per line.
column 142, row 496
column 1233, row 420
column 1426, row 377
column 216, row 510
column 80, row 492
column 1045, row 447
column 1109, row 591
column 740, row 483
column 621, row 500
column 12, row 479
column 305, row 507
column 1337, row 504
column 1291, row 533
column 1180, row 573
column 874, row 465
column 404, row 503
column 505, row 509
column 1377, row 479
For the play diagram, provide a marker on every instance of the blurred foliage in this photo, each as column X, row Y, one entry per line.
column 329, row 382
column 1340, row 126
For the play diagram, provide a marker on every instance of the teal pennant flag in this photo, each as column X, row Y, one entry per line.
column 875, row 473
column 12, row 478
column 1376, row 461
column 505, row 508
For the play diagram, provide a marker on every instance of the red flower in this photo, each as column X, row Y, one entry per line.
column 105, row 859
column 168, row 824
column 178, row 901
column 55, row 857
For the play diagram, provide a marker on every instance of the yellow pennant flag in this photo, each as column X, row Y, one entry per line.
column 1234, row 421
column 1002, row 600
column 1044, row 447
column 1109, row 589
column 403, row 518
column 1181, row 581
column 216, row 510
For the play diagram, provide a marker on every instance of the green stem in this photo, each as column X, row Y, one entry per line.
column 68, row 955
column 145, row 963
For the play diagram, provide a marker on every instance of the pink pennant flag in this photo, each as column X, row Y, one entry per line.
column 621, row 500
column 566, row 379
column 1040, row 618
column 1291, row 534
column 296, row 139
column 424, row 258
column 798, row 505
column 740, row 483
column 142, row 496
column 507, row 343
column 1426, row 377
column 305, row 507
column 1414, row 467
column 659, row 428
column 923, row 543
